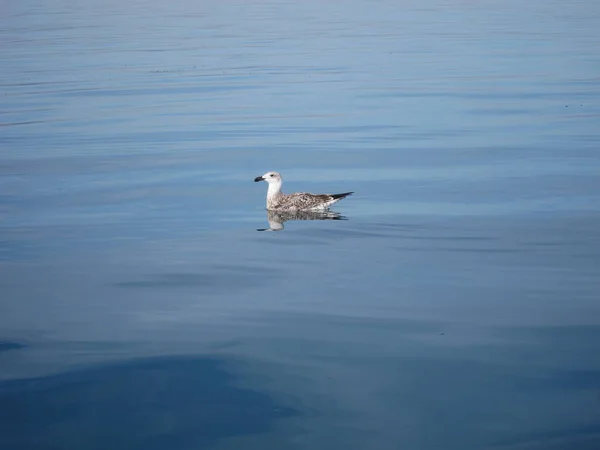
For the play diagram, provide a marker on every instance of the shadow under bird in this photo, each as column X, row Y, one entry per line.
column 278, row 218
column 299, row 201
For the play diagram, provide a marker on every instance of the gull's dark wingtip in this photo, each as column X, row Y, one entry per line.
column 340, row 196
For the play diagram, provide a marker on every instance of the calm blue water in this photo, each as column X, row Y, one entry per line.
column 456, row 308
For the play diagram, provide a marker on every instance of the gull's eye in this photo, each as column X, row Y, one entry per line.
column 272, row 175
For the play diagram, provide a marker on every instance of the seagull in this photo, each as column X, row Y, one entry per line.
column 299, row 201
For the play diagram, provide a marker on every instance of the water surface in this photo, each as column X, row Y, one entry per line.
column 455, row 307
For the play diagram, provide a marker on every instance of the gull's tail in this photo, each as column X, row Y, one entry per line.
column 341, row 196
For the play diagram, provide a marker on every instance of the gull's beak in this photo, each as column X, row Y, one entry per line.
column 258, row 179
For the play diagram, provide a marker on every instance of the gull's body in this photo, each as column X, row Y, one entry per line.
column 300, row 201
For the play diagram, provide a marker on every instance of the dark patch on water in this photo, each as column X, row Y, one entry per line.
column 6, row 345
column 216, row 279
column 164, row 403
column 580, row 438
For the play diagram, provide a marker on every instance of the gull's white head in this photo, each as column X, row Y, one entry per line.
column 270, row 177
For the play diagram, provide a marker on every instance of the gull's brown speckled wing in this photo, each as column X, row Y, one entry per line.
column 304, row 201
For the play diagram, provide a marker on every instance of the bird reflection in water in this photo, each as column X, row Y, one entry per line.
column 278, row 218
